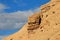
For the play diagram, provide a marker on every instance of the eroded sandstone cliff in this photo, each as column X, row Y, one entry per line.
column 44, row 25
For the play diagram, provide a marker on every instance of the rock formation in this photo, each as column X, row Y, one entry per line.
column 44, row 25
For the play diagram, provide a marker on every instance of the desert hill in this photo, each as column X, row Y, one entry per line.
column 44, row 25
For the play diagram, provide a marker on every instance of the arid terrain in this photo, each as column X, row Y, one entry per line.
column 43, row 25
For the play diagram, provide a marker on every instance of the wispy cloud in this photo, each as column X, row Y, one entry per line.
column 14, row 20
column 2, row 7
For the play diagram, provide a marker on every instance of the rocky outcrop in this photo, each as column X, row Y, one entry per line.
column 34, row 21
column 44, row 25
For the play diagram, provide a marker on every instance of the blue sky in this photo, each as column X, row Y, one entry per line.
column 22, row 5
column 14, row 14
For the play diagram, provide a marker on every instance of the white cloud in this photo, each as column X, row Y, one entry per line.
column 14, row 20
column 2, row 7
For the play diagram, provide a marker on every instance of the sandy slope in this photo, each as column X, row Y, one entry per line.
column 20, row 35
column 44, row 25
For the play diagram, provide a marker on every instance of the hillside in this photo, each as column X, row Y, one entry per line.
column 44, row 25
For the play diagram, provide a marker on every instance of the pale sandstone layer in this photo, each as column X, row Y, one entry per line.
column 44, row 25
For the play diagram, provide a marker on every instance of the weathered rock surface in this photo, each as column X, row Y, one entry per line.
column 44, row 25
